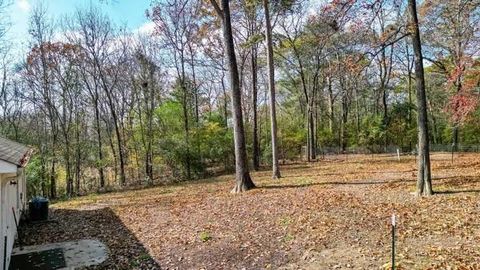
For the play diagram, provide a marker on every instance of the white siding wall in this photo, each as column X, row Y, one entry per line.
column 11, row 195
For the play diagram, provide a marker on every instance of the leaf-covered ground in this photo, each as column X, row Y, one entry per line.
column 331, row 214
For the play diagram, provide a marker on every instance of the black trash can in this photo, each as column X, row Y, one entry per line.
column 38, row 209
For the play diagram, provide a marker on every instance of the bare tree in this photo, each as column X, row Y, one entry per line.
column 39, row 74
column 97, row 35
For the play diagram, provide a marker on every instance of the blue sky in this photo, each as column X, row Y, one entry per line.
column 122, row 12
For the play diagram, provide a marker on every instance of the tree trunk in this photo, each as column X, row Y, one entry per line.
column 383, row 86
column 78, row 156
column 455, row 127
column 242, row 178
column 271, row 86
column 311, row 130
column 195, row 88
column 53, row 178
column 424, row 184
column 53, row 182
column 68, row 171
column 330, row 105
column 151, row 108
column 99, row 145
column 115, row 119
column 187, row 132
column 343, row 128
column 455, row 138
column 186, row 125
column 410, row 103
column 225, row 101
column 256, row 150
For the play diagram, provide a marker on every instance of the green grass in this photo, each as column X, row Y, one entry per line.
column 204, row 236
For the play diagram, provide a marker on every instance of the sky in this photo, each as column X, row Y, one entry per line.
column 129, row 13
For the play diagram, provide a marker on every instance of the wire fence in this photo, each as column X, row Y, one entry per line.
column 394, row 149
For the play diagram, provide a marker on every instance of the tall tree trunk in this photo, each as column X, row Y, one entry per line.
column 424, row 183
column 151, row 108
column 383, row 87
column 343, row 128
column 330, row 105
column 194, row 81
column 455, row 137
column 256, row 150
column 455, row 126
column 434, row 122
column 225, row 101
column 311, row 130
column 116, row 124
column 186, row 125
column 187, row 132
column 357, row 114
column 78, row 155
column 68, row 171
column 409, row 84
column 112, row 147
column 271, row 86
column 459, row 86
column 243, row 182
column 53, row 177
column 99, row 145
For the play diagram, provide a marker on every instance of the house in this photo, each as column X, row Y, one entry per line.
column 13, row 189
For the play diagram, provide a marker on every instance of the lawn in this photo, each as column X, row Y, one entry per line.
column 330, row 214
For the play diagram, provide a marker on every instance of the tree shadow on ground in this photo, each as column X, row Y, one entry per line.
column 446, row 192
column 300, row 185
column 458, row 184
column 125, row 250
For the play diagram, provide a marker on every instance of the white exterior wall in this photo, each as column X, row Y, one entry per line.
column 11, row 196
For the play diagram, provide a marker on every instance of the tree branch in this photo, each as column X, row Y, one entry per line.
column 437, row 63
column 217, row 8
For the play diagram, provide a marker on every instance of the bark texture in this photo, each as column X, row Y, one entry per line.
column 424, row 182
column 243, row 182
column 271, row 86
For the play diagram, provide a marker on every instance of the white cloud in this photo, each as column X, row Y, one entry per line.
column 24, row 5
column 146, row 28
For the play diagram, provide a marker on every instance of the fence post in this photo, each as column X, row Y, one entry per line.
column 393, row 241
column 453, row 149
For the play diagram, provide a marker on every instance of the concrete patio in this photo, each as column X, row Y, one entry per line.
column 63, row 255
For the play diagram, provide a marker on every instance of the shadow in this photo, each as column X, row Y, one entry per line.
column 444, row 177
column 446, row 192
column 384, row 171
column 297, row 166
column 460, row 165
column 125, row 250
column 380, row 160
column 334, row 183
column 462, row 180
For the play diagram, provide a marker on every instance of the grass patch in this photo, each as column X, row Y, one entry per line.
column 205, row 236
column 285, row 221
column 288, row 238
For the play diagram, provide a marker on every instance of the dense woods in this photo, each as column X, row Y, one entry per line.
column 238, row 85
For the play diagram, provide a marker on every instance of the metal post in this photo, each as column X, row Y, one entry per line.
column 393, row 241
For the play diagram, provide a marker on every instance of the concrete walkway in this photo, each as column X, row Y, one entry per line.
column 75, row 254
